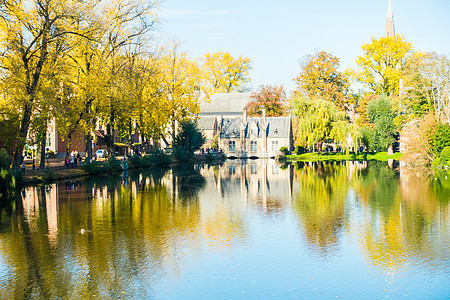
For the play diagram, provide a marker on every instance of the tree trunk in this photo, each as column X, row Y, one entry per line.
column 42, row 152
column 23, row 133
column 112, row 130
column 130, row 140
column 68, row 145
column 88, row 147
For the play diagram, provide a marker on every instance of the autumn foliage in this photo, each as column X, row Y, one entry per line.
column 272, row 98
column 320, row 78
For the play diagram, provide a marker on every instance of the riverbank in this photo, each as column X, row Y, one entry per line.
column 58, row 171
column 338, row 156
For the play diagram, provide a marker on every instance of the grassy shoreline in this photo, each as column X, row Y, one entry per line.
column 103, row 168
column 52, row 175
column 331, row 156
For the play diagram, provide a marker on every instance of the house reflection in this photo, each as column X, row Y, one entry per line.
column 37, row 199
column 262, row 184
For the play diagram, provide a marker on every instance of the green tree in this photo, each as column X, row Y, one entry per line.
column 315, row 120
column 272, row 98
column 187, row 141
column 440, row 138
column 379, row 112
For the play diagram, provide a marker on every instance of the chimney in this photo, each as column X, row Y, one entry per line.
column 244, row 115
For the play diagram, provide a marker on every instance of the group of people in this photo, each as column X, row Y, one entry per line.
column 73, row 160
column 210, row 150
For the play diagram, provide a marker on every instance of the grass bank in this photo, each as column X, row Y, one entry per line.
column 106, row 167
column 332, row 156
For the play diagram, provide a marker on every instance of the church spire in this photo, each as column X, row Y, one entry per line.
column 390, row 30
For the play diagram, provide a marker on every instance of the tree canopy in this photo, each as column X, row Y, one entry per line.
column 382, row 63
column 317, row 121
column 222, row 73
column 272, row 98
column 379, row 112
column 319, row 77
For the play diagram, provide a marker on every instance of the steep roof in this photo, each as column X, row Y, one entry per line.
column 224, row 104
column 206, row 123
column 276, row 127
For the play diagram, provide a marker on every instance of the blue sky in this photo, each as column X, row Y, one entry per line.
column 275, row 34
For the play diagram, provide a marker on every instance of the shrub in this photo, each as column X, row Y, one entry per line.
column 95, row 167
column 114, row 164
column 440, row 138
column 299, row 150
column 49, row 175
column 445, row 154
column 158, row 157
column 51, row 154
column 136, row 161
column 284, row 150
column 5, row 160
column 443, row 159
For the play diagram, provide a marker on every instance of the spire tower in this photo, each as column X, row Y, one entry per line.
column 390, row 30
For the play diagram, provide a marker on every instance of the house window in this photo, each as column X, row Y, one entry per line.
column 274, row 145
column 48, row 141
column 253, row 132
column 232, row 146
column 253, row 146
column 232, row 169
column 275, row 169
column 253, row 169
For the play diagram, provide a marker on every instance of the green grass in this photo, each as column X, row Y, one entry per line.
column 327, row 156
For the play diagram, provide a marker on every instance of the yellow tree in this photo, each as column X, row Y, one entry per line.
column 319, row 77
column 178, row 81
column 382, row 63
column 224, row 74
column 126, row 23
column 81, row 89
column 32, row 31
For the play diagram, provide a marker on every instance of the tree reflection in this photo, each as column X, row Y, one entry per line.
column 319, row 202
column 117, row 236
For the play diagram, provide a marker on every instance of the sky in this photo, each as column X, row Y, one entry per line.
column 276, row 34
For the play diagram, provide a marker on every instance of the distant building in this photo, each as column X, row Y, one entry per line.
column 255, row 136
column 208, row 125
column 390, row 29
column 224, row 104
column 215, row 108
column 225, row 116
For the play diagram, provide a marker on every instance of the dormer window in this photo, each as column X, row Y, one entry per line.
column 276, row 132
column 253, row 132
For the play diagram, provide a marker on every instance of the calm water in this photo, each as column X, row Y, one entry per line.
column 252, row 230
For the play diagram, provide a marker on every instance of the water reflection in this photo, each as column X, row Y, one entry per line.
column 260, row 184
column 130, row 234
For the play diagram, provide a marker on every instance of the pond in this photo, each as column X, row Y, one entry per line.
column 245, row 229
